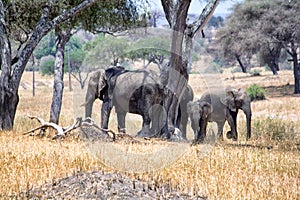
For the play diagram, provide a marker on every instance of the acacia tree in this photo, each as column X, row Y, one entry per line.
column 153, row 49
column 107, row 17
column 176, row 12
column 265, row 27
column 237, row 38
column 32, row 27
column 280, row 23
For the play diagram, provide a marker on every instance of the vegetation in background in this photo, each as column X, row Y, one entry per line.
column 263, row 28
column 255, row 92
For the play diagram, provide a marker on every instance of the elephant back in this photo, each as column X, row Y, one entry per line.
column 127, row 83
column 218, row 108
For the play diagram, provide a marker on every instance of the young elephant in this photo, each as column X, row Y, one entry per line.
column 226, row 104
column 199, row 112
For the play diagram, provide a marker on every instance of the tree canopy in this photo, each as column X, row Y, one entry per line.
column 265, row 27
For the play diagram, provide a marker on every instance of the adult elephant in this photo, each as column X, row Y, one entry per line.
column 225, row 106
column 140, row 92
column 137, row 92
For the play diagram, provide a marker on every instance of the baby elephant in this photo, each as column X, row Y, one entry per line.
column 199, row 112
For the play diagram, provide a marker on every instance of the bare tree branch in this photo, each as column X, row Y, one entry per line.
column 206, row 14
column 61, row 131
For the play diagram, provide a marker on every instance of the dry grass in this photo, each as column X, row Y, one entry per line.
column 267, row 167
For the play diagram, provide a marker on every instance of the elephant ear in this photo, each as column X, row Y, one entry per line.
column 111, row 75
column 206, row 109
column 101, row 83
column 230, row 99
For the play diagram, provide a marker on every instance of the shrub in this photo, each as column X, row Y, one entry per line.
column 255, row 92
column 255, row 72
column 47, row 65
column 275, row 128
column 236, row 70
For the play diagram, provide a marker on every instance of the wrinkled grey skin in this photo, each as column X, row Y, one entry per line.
column 129, row 91
column 225, row 106
column 200, row 113
column 139, row 92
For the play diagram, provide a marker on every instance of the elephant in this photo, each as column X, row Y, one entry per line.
column 129, row 91
column 200, row 113
column 182, row 118
column 225, row 106
column 138, row 92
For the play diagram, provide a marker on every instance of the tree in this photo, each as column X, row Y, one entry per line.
column 153, row 49
column 154, row 16
column 32, row 27
column 176, row 13
column 112, row 49
column 238, row 40
column 265, row 27
column 280, row 23
column 113, row 12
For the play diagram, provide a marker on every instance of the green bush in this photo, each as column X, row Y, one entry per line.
column 47, row 68
column 255, row 92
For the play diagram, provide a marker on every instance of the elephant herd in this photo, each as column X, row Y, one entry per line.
column 143, row 92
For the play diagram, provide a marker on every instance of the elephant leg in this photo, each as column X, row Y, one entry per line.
column 105, row 113
column 182, row 121
column 145, row 132
column 121, row 122
column 220, row 125
column 202, row 133
column 231, row 118
column 158, row 119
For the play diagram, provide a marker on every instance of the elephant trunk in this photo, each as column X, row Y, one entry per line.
column 248, row 114
column 88, row 109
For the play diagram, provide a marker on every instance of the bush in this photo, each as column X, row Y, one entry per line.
column 47, row 68
column 47, row 65
column 255, row 72
column 236, row 70
column 255, row 92
column 275, row 128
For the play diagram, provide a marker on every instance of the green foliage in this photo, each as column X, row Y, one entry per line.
column 149, row 47
column 215, row 22
column 76, row 59
column 255, row 92
column 46, row 46
column 47, row 67
column 260, row 26
column 104, row 51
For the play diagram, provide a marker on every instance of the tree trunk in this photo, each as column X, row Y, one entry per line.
column 274, row 69
column 62, row 37
column 10, row 80
column 176, row 15
column 238, row 58
column 178, row 76
column 8, row 98
column 69, row 71
column 296, row 68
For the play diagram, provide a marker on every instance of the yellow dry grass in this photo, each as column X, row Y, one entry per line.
column 262, row 168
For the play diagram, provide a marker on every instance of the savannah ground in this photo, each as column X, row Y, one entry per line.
column 266, row 167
